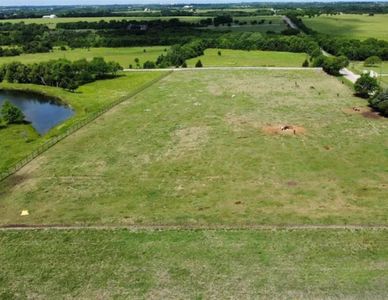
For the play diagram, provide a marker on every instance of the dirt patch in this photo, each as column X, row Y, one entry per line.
column 187, row 140
column 366, row 112
column 371, row 115
column 240, row 121
column 284, row 129
column 215, row 89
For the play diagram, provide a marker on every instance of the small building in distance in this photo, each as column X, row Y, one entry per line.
column 49, row 17
column 137, row 27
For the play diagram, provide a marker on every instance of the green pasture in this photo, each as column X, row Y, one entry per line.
column 358, row 66
column 124, row 56
column 351, row 26
column 277, row 23
column 241, row 58
column 17, row 141
column 107, row 264
column 53, row 22
column 199, row 148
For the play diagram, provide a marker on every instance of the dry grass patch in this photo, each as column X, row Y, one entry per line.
column 187, row 140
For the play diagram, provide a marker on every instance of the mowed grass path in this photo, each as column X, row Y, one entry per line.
column 240, row 58
column 89, row 264
column 351, row 26
column 192, row 150
column 18, row 141
column 124, row 56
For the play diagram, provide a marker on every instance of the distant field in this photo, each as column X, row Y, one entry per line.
column 17, row 141
column 124, row 56
column 240, row 58
column 277, row 23
column 351, row 26
column 52, row 22
column 205, row 147
column 119, row 264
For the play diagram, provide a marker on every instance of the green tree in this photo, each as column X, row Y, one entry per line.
column 366, row 86
column 333, row 65
column 380, row 102
column 149, row 65
column 11, row 114
column 99, row 67
column 199, row 64
column 372, row 61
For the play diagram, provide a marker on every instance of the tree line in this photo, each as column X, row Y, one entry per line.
column 353, row 49
column 59, row 73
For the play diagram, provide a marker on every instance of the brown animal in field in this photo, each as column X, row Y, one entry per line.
column 286, row 127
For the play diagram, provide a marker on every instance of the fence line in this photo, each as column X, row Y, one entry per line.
column 50, row 143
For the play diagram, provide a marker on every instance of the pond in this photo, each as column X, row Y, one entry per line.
column 42, row 112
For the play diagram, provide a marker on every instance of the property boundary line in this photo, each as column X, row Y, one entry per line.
column 224, row 69
column 50, row 143
column 161, row 227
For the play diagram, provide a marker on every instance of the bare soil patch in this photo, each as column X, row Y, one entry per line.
column 366, row 112
column 284, row 129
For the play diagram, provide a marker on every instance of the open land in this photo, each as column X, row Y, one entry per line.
column 240, row 58
column 124, row 56
column 215, row 147
column 17, row 141
column 200, row 264
column 351, row 25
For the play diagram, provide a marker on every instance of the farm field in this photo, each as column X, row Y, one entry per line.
column 124, row 56
column 280, row 264
column 351, row 26
column 277, row 23
column 241, row 58
column 17, row 141
column 53, row 22
column 206, row 148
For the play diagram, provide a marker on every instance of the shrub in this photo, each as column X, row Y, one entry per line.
column 11, row 114
column 305, row 63
column 184, row 65
column 366, row 86
column 372, row 61
column 149, row 65
column 331, row 65
column 199, row 64
column 380, row 102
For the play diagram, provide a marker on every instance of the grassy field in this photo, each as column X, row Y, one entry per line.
column 351, row 26
column 90, row 264
column 277, row 23
column 17, row 141
column 240, row 58
column 124, row 56
column 201, row 148
column 53, row 22
column 358, row 66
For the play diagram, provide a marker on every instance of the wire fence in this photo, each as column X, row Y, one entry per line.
column 44, row 147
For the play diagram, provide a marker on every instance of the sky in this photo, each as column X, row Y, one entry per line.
column 96, row 2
